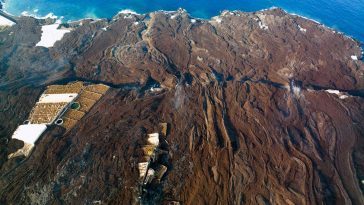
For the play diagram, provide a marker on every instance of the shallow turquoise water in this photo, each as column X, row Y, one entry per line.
column 343, row 15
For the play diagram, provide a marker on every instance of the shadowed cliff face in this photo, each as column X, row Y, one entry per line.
column 244, row 95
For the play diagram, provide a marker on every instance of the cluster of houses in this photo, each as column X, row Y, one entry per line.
column 152, row 166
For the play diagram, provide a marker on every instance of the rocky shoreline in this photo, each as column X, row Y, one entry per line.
column 270, row 102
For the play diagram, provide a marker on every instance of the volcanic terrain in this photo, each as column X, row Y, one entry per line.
column 261, row 108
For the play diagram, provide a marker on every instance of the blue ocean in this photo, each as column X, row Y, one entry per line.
column 343, row 15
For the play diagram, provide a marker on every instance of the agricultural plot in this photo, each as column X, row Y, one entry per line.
column 99, row 88
column 45, row 113
column 87, row 98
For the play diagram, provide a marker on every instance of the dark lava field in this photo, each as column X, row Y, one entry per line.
column 262, row 108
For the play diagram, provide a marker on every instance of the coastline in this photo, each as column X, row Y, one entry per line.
column 132, row 12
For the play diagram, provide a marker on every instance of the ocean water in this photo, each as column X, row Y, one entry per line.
column 343, row 15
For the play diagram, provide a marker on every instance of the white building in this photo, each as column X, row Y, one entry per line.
column 29, row 134
column 153, row 139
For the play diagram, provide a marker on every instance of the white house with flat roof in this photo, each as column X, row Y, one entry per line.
column 48, row 108
column 57, row 98
column 5, row 22
column 29, row 134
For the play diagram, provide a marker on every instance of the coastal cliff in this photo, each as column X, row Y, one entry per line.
column 262, row 108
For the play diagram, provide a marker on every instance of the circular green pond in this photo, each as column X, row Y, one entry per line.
column 75, row 106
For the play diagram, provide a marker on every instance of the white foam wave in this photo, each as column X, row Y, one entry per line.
column 33, row 14
column 304, row 17
column 270, row 8
column 323, row 25
column 128, row 11
column 218, row 19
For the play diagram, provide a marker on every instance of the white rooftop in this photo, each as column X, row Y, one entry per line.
column 337, row 92
column 29, row 133
column 355, row 58
column 57, row 98
column 143, row 166
column 51, row 34
column 5, row 22
column 153, row 139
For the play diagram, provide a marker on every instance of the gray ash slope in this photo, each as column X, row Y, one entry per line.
column 243, row 93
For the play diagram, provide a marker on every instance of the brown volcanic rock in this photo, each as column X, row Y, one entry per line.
column 236, row 47
column 250, row 120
